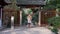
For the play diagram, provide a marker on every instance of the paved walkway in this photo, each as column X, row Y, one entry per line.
column 24, row 30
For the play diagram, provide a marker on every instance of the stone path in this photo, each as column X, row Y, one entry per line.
column 24, row 30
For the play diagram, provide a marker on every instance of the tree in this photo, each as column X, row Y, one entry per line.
column 12, row 5
column 55, row 21
column 12, row 9
column 51, row 4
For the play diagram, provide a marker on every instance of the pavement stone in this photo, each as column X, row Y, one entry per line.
column 24, row 30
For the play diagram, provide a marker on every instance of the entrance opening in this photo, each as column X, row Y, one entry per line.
column 34, row 13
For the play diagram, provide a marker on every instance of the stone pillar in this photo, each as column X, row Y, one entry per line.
column 40, row 9
column 39, row 18
column 57, row 12
column 12, row 23
column 1, row 18
column 20, row 17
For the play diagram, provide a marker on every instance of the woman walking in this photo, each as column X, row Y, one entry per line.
column 29, row 18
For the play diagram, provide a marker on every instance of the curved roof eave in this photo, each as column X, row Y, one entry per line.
column 28, row 2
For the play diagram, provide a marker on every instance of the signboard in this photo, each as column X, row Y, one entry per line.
column 28, row 2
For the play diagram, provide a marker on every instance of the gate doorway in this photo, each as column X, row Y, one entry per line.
column 34, row 14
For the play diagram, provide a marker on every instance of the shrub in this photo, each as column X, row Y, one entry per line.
column 55, row 21
column 55, row 30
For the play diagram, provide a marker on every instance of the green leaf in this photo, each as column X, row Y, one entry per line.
column 55, row 21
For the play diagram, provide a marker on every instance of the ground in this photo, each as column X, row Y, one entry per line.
column 24, row 30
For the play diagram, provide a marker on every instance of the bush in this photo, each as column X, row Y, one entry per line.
column 55, row 21
column 55, row 30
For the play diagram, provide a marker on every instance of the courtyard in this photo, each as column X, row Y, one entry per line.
column 42, row 12
column 25, row 30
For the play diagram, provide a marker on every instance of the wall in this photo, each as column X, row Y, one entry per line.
column 47, row 14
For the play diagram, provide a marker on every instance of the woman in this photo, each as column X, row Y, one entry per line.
column 29, row 18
